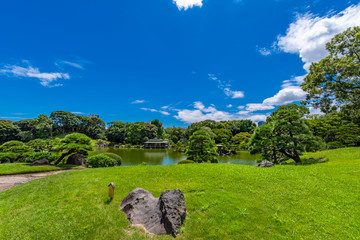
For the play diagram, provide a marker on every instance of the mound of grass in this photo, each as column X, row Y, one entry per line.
column 18, row 168
column 224, row 201
column 114, row 156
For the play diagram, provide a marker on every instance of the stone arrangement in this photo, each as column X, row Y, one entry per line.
column 159, row 216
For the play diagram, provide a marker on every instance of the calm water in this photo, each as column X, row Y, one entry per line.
column 168, row 157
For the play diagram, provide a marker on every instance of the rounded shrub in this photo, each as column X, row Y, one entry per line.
column 186, row 161
column 114, row 156
column 101, row 160
column 32, row 157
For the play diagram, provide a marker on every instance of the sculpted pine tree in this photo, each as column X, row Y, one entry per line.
column 336, row 78
column 284, row 134
column 74, row 143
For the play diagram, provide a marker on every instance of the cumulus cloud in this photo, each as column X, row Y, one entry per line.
column 225, row 87
column 201, row 113
column 252, row 107
column 47, row 79
column 286, row 96
column 155, row 110
column 138, row 101
column 186, row 4
column 229, row 106
column 308, row 35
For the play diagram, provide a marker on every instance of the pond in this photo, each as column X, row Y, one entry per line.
column 168, row 157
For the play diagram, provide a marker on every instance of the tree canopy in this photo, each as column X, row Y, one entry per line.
column 336, row 78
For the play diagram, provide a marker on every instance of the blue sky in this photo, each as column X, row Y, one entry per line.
column 179, row 61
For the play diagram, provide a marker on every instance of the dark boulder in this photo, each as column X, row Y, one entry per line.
column 76, row 159
column 40, row 162
column 159, row 216
column 265, row 163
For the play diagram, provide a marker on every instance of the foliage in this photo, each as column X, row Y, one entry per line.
column 284, row 135
column 43, row 126
column 8, row 131
column 32, row 157
column 43, row 145
column 140, row 132
column 283, row 202
column 160, row 127
column 91, row 126
column 101, row 160
column 114, row 156
column 14, row 150
column 175, row 134
column 336, row 78
column 116, row 132
column 186, row 161
column 202, row 148
column 65, row 122
column 240, row 141
column 222, row 135
column 74, row 143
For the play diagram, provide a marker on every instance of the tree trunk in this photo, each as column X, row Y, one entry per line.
column 63, row 156
column 274, row 156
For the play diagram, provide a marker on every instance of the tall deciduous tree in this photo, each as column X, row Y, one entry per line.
column 336, row 78
column 8, row 131
column 65, row 122
column 43, row 126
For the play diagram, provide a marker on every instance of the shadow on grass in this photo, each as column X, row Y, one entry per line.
column 309, row 161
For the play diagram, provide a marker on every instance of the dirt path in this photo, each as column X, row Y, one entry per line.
column 7, row 182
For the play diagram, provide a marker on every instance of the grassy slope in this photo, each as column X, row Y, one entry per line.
column 17, row 168
column 320, row 201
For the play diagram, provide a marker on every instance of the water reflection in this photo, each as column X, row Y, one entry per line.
column 169, row 157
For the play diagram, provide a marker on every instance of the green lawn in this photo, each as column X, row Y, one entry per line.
column 17, row 168
column 318, row 201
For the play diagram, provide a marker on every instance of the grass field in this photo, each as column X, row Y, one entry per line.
column 17, row 168
column 316, row 201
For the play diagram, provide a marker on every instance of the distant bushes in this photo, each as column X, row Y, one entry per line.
column 101, row 160
column 32, row 157
column 186, row 161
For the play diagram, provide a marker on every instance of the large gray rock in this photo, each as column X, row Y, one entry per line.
column 159, row 216
column 76, row 159
column 40, row 162
column 265, row 163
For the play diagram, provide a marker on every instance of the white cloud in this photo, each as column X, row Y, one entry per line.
column 185, row 4
column 241, row 107
column 201, row 113
column 264, row 51
column 138, row 101
column 229, row 106
column 46, row 78
column 80, row 113
column 286, row 96
column 72, row 64
column 252, row 107
column 308, row 35
column 225, row 87
column 233, row 94
column 154, row 110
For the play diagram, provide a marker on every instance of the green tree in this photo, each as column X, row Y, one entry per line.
column 74, row 143
column 175, row 134
column 202, row 148
column 8, row 131
column 91, row 126
column 65, row 122
column 222, row 135
column 43, row 126
column 160, row 127
column 286, row 133
column 336, row 78
column 116, row 132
